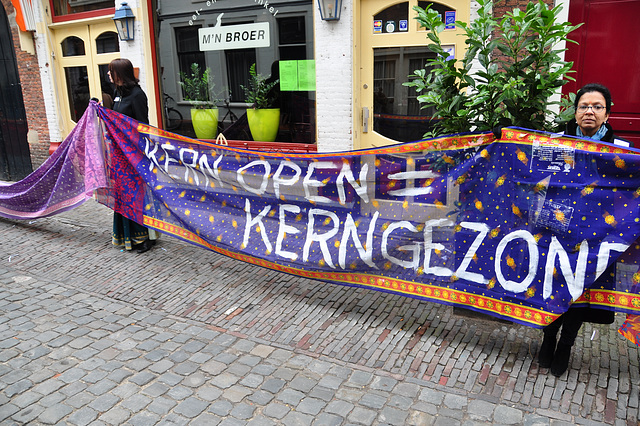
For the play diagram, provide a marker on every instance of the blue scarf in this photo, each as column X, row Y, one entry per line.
column 597, row 137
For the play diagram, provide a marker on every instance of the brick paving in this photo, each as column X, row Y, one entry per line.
column 181, row 335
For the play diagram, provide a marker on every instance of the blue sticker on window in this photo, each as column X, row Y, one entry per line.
column 404, row 25
column 450, row 20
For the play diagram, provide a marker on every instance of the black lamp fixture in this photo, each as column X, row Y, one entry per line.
column 124, row 22
column 330, row 9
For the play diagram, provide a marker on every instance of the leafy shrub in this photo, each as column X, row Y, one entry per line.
column 512, row 88
column 259, row 93
column 198, row 87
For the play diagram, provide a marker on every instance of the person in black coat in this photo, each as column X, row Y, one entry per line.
column 592, row 109
column 129, row 99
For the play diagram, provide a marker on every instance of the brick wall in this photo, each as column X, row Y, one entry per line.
column 500, row 7
column 32, row 93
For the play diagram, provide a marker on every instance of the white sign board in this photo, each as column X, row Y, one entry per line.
column 229, row 37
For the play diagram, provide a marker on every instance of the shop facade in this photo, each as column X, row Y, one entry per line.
column 347, row 92
column 340, row 80
column 227, row 38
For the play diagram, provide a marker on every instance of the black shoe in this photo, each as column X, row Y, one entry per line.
column 547, row 349
column 560, row 361
column 145, row 246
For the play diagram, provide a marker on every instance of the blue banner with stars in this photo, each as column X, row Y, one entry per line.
column 518, row 227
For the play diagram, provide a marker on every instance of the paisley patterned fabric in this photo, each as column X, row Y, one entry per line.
column 125, row 193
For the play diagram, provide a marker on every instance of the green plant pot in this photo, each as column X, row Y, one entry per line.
column 205, row 122
column 264, row 124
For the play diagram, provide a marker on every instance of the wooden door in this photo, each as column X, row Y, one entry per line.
column 392, row 47
column 608, row 52
column 15, row 160
column 84, row 52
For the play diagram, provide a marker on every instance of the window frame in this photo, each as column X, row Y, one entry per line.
column 80, row 15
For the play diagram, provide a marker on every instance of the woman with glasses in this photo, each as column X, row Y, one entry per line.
column 593, row 106
column 592, row 109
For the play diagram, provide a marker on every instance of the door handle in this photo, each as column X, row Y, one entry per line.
column 365, row 120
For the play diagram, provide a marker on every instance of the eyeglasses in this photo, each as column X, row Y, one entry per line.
column 594, row 108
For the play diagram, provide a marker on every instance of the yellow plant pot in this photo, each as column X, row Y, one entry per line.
column 264, row 124
column 205, row 122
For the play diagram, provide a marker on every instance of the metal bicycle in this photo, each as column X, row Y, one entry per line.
column 232, row 118
column 172, row 117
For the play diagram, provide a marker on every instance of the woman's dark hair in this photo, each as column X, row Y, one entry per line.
column 122, row 73
column 594, row 87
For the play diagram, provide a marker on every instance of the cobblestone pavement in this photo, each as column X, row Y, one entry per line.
column 181, row 335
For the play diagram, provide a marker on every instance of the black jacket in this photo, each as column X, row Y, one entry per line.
column 572, row 129
column 132, row 103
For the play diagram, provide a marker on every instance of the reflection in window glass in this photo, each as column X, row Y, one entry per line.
column 396, row 112
column 67, row 7
column 72, row 46
column 291, row 41
column 298, row 105
column 107, row 42
column 393, row 15
column 77, row 90
column 189, row 49
column 384, row 84
column 413, row 106
column 292, row 38
column 238, row 63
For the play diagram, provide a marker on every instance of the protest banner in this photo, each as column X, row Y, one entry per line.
column 519, row 226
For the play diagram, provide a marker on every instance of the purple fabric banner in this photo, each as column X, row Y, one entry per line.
column 65, row 180
column 519, row 227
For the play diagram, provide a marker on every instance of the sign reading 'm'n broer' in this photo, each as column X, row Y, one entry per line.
column 234, row 37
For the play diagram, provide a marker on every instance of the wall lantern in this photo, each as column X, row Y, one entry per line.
column 124, row 22
column 330, row 9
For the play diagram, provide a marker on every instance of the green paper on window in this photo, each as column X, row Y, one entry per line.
column 288, row 76
column 307, row 75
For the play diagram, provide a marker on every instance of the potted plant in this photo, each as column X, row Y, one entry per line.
column 198, row 88
column 263, row 118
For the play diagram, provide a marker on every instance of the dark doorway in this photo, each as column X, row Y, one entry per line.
column 15, row 160
column 608, row 52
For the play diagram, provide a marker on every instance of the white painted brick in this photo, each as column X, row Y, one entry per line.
column 47, row 75
column 334, row 81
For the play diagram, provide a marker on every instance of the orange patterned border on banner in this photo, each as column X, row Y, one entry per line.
column 610, row 298
column 528, row 137
column 442, row 143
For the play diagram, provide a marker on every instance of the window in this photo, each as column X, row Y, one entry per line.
column 440, row 8
column 238, row 63
column 413, row 106
column 72, row 46
column 397, row 112
column 188, row 49
column 107, row 42
column 389, row 19
column 70, row 7
column 292, row 38
column 77, row 80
